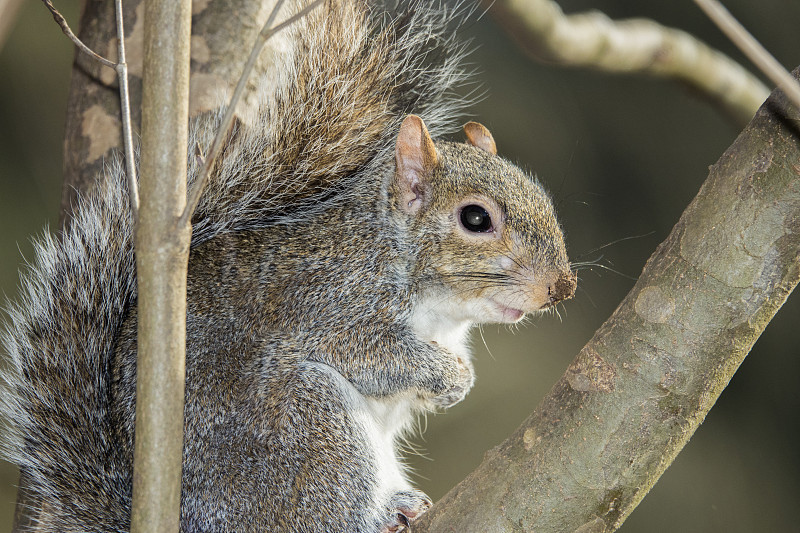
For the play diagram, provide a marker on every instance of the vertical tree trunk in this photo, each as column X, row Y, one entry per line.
column 222, row 35
column 162, row 259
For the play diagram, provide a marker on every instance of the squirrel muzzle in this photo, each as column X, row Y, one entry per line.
column 563, row 288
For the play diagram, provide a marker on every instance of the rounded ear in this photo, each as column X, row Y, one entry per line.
column 416, row 158
column 480, row 137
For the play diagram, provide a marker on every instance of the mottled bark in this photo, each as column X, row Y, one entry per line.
column 640, row 388
column 222, row 34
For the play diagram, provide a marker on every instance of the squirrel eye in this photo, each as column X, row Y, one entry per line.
column 476, row 219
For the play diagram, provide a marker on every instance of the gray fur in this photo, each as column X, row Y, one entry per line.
column 304, row 280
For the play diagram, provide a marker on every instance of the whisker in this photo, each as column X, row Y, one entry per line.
column 485, row 344
column 617, row 272
column 623, row 239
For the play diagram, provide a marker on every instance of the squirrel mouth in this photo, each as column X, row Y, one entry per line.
column 508, row 314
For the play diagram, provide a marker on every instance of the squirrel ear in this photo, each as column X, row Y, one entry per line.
column 416, row 157
column 480, row 137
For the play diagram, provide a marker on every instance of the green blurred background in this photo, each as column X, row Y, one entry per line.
column 622, row 156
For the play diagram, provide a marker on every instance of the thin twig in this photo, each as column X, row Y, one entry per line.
column 264, row 35
column 121, row 68
column 61, row 21
column 750, row 47
column 125, row 108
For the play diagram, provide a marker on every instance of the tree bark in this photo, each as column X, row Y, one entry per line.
column 640, row 388
column 222, row 35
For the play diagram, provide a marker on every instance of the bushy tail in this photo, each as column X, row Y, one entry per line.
column 332, row 105
column 57, row 387
column 329, row 112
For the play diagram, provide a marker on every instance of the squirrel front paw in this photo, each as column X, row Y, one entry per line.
column 405, row 507
column 459, row 389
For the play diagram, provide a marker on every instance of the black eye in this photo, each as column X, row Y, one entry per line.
column 475, row 218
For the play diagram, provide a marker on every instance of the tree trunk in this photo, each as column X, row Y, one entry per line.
column 222, row 35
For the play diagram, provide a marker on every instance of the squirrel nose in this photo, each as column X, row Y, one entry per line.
column 563, row 288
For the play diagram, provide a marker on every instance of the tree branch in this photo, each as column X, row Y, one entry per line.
column 593, row 40
column 751, row 48
column 125, row 111
column 636, row 393
column 62, row 23
column 121, row 68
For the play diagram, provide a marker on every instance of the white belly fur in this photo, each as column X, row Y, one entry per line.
column 382, row 420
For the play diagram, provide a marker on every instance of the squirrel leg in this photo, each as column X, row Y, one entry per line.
column 341, row 440
column 398, row 361
column 300, row 449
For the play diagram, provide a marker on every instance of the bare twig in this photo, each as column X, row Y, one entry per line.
column 593, row 40
column 267, row 31
column 121, row 68
column 125, row 108
column 750, row 47
column 61, row 21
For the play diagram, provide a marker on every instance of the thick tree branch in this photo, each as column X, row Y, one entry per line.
column 636, row 45
column 641, row 387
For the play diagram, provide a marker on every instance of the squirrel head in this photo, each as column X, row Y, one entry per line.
column 489, row 246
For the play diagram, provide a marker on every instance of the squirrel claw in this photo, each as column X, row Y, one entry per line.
column 406, row 506
column 458, row 391
column 398, row 523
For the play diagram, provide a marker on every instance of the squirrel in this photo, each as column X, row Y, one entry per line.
column 339, row 258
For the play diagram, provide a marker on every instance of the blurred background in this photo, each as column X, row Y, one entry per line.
column 622, row 156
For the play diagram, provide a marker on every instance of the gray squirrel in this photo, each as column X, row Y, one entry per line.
column 339, row 258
